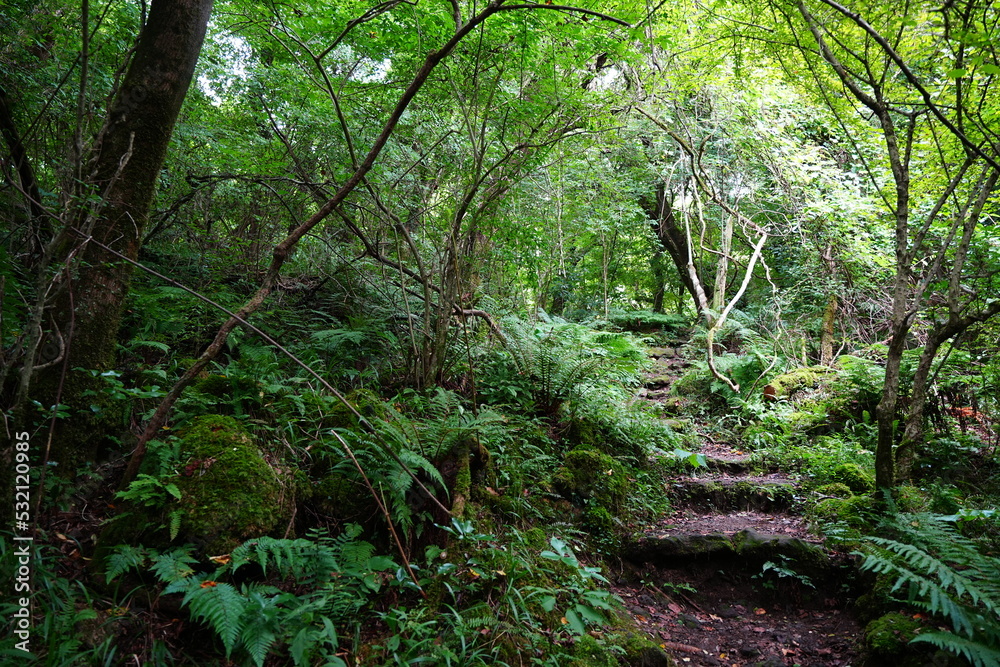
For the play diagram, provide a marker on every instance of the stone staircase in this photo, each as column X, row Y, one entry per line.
column 732, row 576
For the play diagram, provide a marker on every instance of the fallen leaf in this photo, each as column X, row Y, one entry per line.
column 674, row 607
column 759, row 611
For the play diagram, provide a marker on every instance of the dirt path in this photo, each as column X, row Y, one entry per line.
column 732, row 576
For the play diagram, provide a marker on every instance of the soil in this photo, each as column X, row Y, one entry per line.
column 726, row 609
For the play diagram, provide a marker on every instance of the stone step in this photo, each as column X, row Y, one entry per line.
column 721, row 491
column 746, row 549
column 731, row 465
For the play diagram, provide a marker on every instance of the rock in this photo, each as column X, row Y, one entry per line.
column 727, row 612
column 723, row 494
column 748, row 547
column 689, row 621
column 651, row 656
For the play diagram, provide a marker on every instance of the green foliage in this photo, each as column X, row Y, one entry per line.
column 342, row 573
column 947, row 575
column 548, row 363
column 783, row 570
column 68, row 626
column 495, row 599
column 645, row 321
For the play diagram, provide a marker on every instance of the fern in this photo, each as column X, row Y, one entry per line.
column 976, row 653
column 341, row 573
column 945, row 574
column 174, row 565
column 560, row 359
column 220, row 605
column 125, row 558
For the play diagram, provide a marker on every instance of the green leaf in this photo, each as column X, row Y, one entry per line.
column 575, row 622
column 957, row 73
column 219, row 605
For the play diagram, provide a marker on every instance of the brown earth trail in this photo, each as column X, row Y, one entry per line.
column 731, row 575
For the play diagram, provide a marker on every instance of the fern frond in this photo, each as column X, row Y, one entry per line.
column 219, row 605
column 125, row 558
column 947, row 575
column 978, row 654
column 174, row 565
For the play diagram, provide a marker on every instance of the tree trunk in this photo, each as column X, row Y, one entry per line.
column 885, row 411
column 722, row 270
column 84, row 316
column 672, row 239
column 659, row 280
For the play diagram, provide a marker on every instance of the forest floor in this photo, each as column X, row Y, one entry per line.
column 720, row 580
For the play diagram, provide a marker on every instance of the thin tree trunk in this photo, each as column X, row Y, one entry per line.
column 91, row 283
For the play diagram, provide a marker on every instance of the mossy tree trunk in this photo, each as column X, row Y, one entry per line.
column 82, row 317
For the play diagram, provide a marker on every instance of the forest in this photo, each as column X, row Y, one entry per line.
column 503, row 332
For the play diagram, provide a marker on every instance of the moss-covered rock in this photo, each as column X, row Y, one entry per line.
column 889, row 635
column 855, row 477
column 588, row 652
column 598, row 521
column 638, row 650
column 835, row 490
column 852, row 511
column 229, row 493
column 588, row 475
column 787, row 384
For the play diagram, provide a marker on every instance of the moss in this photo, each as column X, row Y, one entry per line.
column 786, row 384
column 855, row 477
column 878, row 600
column 535, row 539
column 837, row 490
column 588, row 475
column 588, row 652
column 214, row 385
column 598, row 521
column 911, row 499
column 637, row 648
column 852, row 511
column 228, row 492
column 889, row 635
column 588, row 432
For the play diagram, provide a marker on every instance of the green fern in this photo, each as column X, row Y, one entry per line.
column 947, row 575
column 559, row 359
column 978, row 654
column 219, row 605
column 174, row 564
column 125, row 558
column 340, row 572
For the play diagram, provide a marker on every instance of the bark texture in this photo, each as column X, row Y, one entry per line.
column 83, row 317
